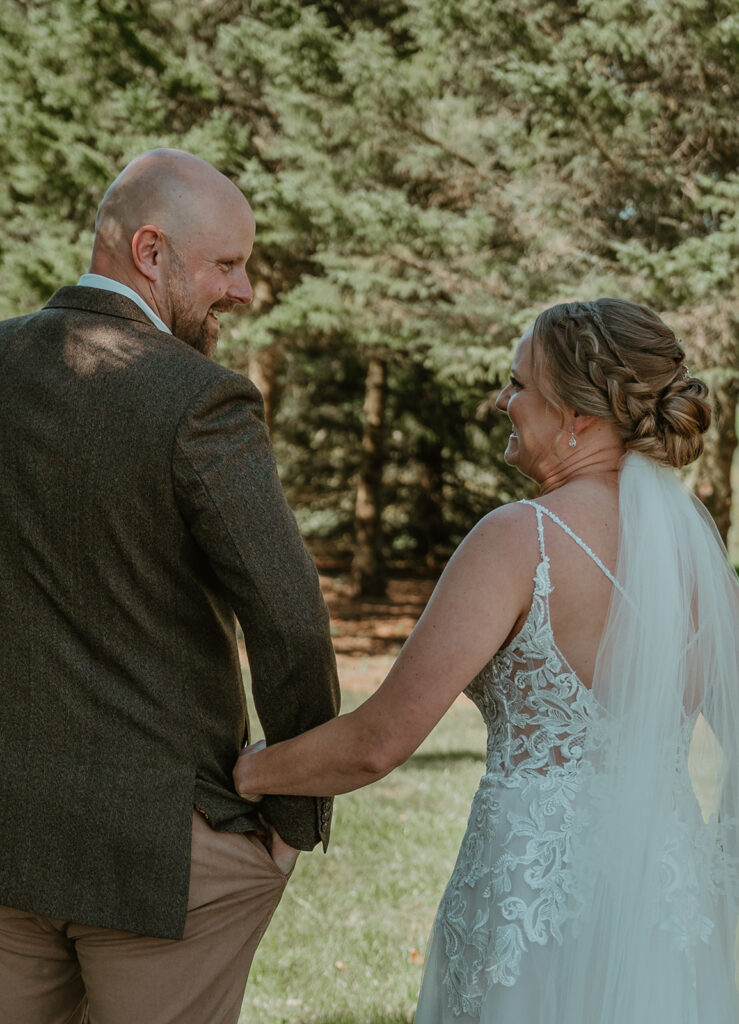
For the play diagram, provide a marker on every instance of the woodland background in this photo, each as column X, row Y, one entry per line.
column 427, row 175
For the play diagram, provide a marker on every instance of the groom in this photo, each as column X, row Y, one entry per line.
column 140, row 511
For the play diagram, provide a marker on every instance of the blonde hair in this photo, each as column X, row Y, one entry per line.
column 619, row 362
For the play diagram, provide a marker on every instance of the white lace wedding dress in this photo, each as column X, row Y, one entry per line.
column 510, row 916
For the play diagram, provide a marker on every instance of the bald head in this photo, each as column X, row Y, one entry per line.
column 166, row 187
column 167, row 222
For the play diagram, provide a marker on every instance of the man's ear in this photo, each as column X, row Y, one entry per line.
column 146, row 249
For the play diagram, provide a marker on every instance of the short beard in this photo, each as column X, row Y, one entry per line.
column 198, row 334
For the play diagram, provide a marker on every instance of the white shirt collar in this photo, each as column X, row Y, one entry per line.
column 109, row 285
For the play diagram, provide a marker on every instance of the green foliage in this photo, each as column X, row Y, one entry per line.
column 426, row 175
column 61, row 141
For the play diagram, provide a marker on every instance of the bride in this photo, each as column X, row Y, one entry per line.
column 597, row 630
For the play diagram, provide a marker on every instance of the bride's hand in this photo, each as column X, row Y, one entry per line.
column 240, row 771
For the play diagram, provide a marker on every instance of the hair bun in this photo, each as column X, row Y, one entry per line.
column 684, row 415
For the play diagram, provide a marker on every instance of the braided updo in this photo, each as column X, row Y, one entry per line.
column 619, row 362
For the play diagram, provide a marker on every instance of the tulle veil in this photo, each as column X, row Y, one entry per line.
column 652, row 937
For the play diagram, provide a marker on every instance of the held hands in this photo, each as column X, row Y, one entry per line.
column 281, row 852
column 240, row 772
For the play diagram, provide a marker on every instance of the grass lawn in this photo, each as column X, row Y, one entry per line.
column 346, row 944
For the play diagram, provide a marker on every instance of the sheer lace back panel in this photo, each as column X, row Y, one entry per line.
column 537, row 710
column 513, row 883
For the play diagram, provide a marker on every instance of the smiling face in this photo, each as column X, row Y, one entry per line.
column 179, row 233
column 537, row 440
column 208, row 274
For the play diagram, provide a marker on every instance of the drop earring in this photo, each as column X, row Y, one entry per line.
column 573, row 440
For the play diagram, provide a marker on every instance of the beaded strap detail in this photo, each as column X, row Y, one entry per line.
column 570, row 533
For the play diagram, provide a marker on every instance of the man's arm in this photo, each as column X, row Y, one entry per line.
column 230, row 495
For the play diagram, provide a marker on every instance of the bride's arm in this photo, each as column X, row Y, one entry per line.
column 483, row 590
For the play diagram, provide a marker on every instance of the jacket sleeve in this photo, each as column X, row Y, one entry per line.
column 229, row 493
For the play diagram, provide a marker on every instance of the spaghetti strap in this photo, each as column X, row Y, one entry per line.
column 570, row 533
column 539, row 529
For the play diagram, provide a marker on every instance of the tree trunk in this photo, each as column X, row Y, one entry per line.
column 712, row 481
column 265, row 365
column 429, row 512
column 368, row 566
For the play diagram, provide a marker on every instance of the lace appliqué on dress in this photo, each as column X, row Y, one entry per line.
column 513, row 883
column 520, row 877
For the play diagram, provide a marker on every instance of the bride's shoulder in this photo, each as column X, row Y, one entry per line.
column 509, row 528
column 496, row 560
column 511, row 517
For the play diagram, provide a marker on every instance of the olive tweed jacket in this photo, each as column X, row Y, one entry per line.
column 140, row 509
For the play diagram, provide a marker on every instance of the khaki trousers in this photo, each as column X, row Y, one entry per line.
column 58, row 972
